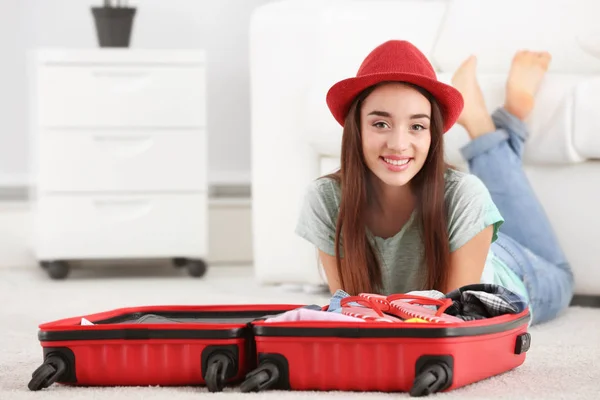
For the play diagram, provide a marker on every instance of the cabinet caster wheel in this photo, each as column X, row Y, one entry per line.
column 196, row 268
column 179, row 262
column 56, row 269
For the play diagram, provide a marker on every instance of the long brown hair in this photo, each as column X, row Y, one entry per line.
column 361, row 271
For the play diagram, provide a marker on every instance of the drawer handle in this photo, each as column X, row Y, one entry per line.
column 122, row 209
column 109, row 202
column 119, row 74
column 124, row 146
column 122, row 82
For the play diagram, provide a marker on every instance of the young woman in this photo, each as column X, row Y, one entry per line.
column 396, row 218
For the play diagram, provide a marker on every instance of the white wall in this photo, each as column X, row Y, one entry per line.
column 14, row 38
column 219, row 26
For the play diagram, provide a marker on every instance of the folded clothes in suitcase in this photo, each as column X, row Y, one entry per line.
column 162, row 345
column 387, row 352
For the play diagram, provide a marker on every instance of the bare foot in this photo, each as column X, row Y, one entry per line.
column 474, row 118
column 524, row 79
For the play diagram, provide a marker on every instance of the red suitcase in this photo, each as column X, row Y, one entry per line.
column 419, row 358
column 161, row 345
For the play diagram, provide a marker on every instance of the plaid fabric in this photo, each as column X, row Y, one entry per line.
column 484, row 300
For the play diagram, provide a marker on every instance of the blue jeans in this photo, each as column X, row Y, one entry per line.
column 526, row 241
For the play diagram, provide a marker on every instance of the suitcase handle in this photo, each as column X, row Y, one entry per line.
column 423, row 300
column 364, row 302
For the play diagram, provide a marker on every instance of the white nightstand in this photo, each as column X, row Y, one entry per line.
column 119, row 156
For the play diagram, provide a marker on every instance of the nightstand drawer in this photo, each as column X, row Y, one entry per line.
column 107, row 226
column 120, row 161
column 121, row 96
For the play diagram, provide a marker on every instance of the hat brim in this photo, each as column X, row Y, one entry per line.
column 341, row 95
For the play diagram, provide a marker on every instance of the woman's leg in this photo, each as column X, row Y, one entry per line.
column 527, row 242
column 549, row 286
column 494, row 155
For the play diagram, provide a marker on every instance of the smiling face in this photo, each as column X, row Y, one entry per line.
column 395, row 127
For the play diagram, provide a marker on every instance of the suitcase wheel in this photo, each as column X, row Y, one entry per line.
column 220, row 368
column 431, row 379
column 47, row 373
column 263, row 377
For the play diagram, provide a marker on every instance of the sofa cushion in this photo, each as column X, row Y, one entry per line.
column 349, row 30
column 561, row 126
column 494, row 30
column 586, row 124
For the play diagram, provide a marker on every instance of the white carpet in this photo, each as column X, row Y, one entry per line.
column 559, row 365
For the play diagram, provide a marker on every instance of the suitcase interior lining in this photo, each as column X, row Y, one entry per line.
column 240, row 320
column 182, row 317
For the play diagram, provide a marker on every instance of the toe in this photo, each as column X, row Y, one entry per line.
column 469, row 63
column 541, row 59
column 520, row 57
column 531, row 57
column 546, row 58
column 465, row 71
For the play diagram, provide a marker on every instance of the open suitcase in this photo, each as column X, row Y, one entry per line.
column 420, row 358
column 163, row 345
column 241, row 345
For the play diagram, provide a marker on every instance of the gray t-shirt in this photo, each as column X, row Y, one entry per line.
column 470, row 210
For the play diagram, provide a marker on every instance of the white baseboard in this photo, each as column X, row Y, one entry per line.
column 14, row 180
column 230, row 233
column 228, row 178
column 15, row 234
column 230, row 230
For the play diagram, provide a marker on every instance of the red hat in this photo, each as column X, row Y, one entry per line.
column 395, row 60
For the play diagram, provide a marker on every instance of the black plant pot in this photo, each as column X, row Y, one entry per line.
column 113, row 25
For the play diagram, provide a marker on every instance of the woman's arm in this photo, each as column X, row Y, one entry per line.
column 467, row 262
column 330, row 267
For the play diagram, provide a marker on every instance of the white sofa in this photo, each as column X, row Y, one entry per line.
column 299, row 48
